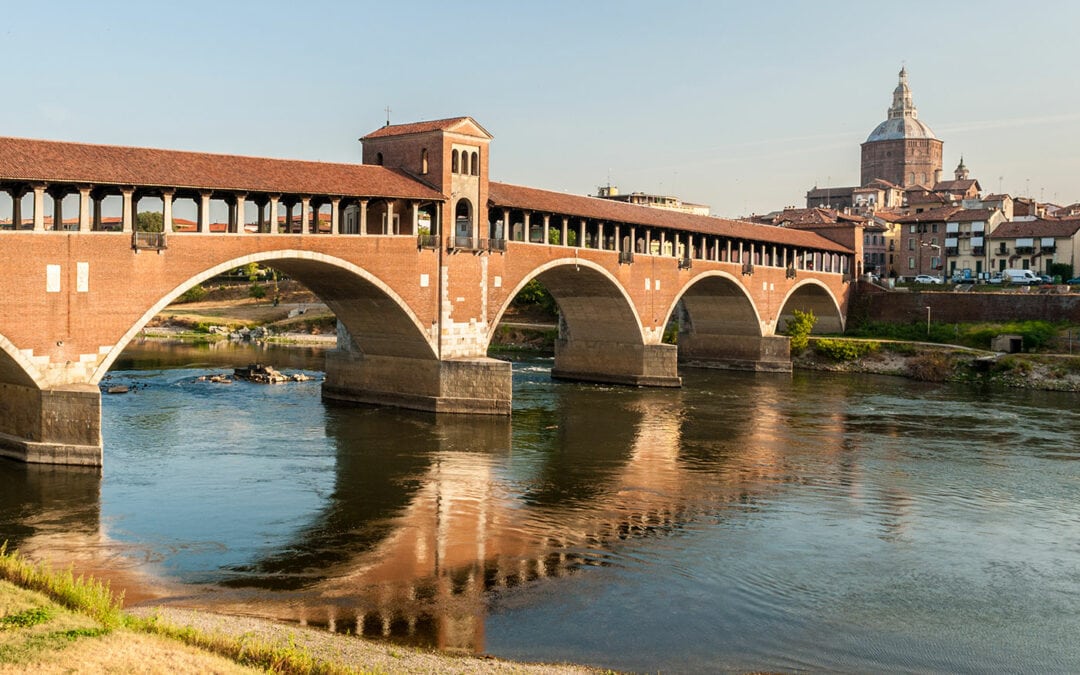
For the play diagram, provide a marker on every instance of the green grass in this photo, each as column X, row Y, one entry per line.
column 95, row 600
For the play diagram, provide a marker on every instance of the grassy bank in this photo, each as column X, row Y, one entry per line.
column 53, row 621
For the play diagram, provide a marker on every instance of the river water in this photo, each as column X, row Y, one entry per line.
column 743, row 522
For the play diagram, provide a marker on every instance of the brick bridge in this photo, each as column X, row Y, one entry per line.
column 417, row 253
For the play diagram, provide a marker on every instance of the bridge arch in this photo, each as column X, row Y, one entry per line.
column 15, row 367
column 814, row 296
column 593, row 304
column 377, row 318
column 716, row 302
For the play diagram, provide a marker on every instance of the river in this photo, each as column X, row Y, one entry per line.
column 743, row 522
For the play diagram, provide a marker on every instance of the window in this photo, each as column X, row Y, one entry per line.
column 378, row 158
column 933, row 228
column 911, row 244
column 454, row 162
column 475, row 164
column 423, row 161
column 911, row 263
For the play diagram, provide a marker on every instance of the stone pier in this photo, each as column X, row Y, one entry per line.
column 770, row 354
column 61, row 425
column 612, row 363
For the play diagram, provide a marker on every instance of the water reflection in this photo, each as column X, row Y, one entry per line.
column 743, row 522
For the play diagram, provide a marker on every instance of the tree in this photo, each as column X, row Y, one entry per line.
column 149, row 221
column 799, row 329
column 555, row 235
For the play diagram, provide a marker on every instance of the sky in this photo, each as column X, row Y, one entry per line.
column 740, row 105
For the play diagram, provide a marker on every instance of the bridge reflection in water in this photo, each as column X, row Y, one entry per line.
column 425, row 514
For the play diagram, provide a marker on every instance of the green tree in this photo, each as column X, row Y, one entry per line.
column 149, row 221
column 799, row 328
column 555, row 235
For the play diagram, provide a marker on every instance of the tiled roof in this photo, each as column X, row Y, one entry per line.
column 969, row 215
column 828, row 192
column 55, row 161
column 448, row 124
column 532, row 199
column 962, row 185
column 1065, row 227
column 939, row 215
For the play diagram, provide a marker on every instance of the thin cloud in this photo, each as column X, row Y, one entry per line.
column 1008, row 123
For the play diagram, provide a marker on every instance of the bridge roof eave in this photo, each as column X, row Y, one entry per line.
column 32, row 161
column 533, row 199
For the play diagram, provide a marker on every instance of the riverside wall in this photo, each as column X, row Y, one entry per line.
column 872, row 303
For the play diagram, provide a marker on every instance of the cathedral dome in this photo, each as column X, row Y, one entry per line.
column 903, row 119
column 900, row 128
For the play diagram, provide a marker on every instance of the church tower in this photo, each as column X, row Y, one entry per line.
column 902, row 149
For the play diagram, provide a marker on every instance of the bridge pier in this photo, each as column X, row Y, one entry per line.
column 466, row 385
column 59, row 425
column 768, row 354
column 639, row 365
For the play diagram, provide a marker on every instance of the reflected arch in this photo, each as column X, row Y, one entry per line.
column 810, row 295
column 377, row 319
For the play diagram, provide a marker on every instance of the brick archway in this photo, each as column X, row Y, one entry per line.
column 718, row 303
column 814, row 296
column 15, row 368
column 378, row 320
column 592, row 302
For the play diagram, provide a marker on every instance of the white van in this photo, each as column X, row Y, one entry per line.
column 1020, row 277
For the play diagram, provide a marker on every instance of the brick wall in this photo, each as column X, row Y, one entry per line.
column 870, row 303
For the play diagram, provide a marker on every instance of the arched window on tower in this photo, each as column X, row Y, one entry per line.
column 911, row 178
column 475, row 164
column 464, row 163
column 454, row 162
column 423, row 161
column 463, row 219
column 378, row 158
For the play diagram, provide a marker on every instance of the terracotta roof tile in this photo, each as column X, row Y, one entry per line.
column 940, row 215
column 1066, row 227
column 33, row 160
column 448, row 124
column 532, row 199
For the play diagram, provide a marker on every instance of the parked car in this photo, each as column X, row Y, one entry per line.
column 1073, row 282
column 928, row 279
column 1046, row 278
column 994, row 278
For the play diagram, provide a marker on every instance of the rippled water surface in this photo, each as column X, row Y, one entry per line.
column 742, row 522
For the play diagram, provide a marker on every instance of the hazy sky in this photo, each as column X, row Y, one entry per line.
column 740, row 105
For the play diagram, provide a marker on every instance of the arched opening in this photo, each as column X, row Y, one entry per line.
column 474, row 168
column 423, row 161
column 812, row 296
column 378, row 159
column 599, row 334
column 463, row 217
column 454, row 161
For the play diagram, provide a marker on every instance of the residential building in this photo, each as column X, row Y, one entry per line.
column 1035, row 245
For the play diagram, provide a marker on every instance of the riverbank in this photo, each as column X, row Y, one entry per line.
column 53, row 623
column 932, row 362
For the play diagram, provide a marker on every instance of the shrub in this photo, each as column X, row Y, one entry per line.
column 930, row 367
column 798, row 329
column 257, row 291
column 845, row 350
column 193, row 294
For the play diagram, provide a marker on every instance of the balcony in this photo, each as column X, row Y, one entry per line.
column 626, row 257
column 430, row 241
column 952, row 252
column 747, row 268
column 685, row 263
column 977, row 250
column 1025, row 250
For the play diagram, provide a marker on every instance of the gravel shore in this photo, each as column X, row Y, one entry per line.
column 345, row 650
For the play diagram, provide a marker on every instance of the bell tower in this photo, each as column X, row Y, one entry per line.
column 450, row 155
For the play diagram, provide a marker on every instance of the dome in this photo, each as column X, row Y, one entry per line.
column 900, row 128
column 903, row 118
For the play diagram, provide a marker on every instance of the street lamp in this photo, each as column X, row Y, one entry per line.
column 928, row 321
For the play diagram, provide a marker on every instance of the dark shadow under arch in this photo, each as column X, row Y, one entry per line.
column 811, row 297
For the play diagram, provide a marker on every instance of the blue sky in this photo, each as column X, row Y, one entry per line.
column 743, row 106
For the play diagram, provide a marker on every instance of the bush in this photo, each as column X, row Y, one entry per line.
column 193, row 294
column 257, row 291
column 798, row 329
column 930, row 367
column 845, row 350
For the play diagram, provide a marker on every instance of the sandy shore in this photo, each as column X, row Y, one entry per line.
column 347, row 650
